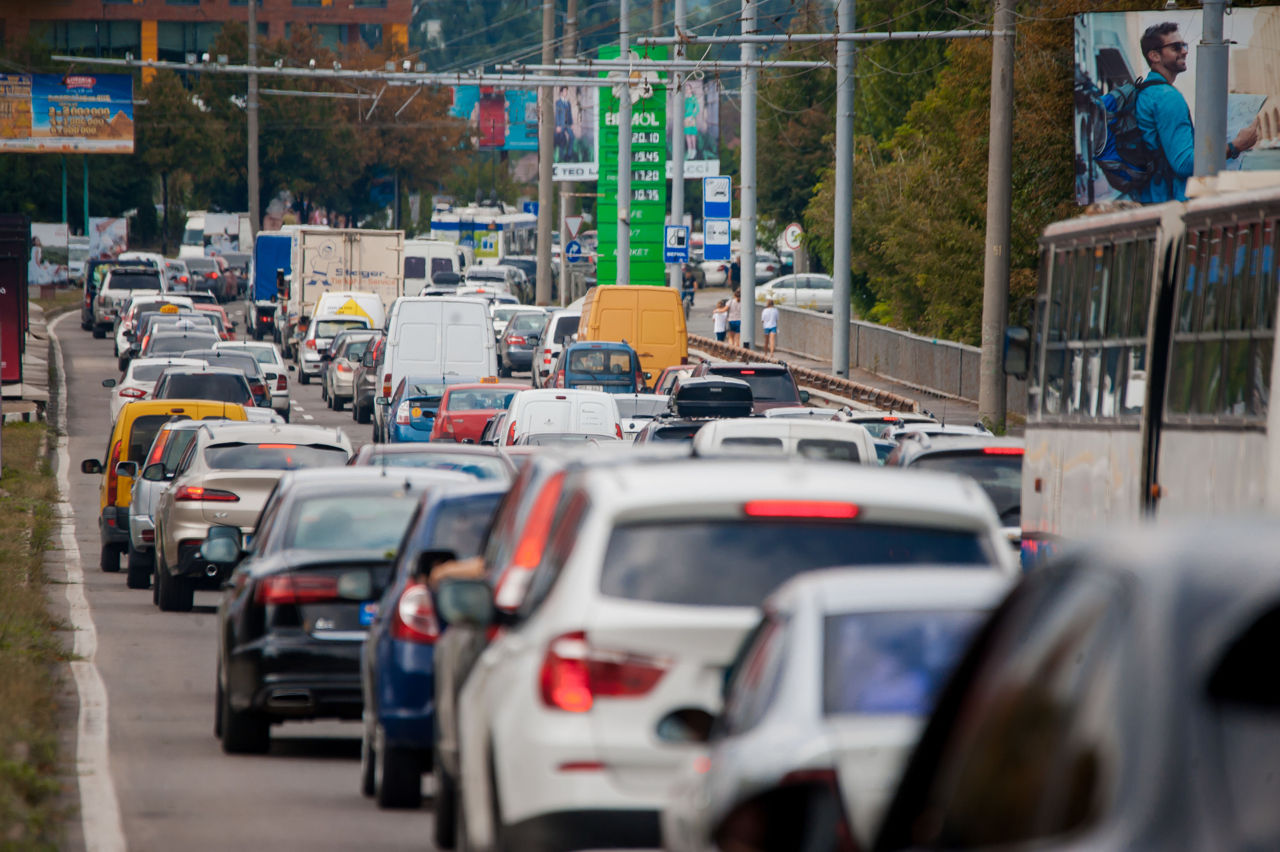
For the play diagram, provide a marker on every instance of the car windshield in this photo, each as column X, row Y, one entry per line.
column 356, row 349
column 481, row 467
column 506, row 312
column 665, row 562
column 890, row 663
column 479, row 400
column 460, row 525
column 351, row 522
column 134, row 281
column 601, row 362
column 326, row 329
column 220, row 387
column 527, row 322
column 566, row 327
column 1000, row 475
column 261, row 354
column 238, row 455
column 179, row 343
column 766, row 385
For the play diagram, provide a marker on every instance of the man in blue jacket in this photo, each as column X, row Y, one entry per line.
column 1165, row 119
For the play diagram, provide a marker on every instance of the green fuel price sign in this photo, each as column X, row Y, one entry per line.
column 648, row 182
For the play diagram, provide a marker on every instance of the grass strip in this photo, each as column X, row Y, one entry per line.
column 30, row 648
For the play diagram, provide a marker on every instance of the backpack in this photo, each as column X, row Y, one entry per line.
column 1127, row 162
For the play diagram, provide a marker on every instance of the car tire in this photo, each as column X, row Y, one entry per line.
column 243, row 731
column 303, row 378
column 368, row 763
column 174, row 594
column 445, row 805
column 139, row 566
column 99, row 333
column 362, row 414
column 122, row 364
column 324, row 392
column 286, row 414
column 86, row 326
column 217, row 706
column 109, row 558
column 504, row 371
column 399, row 777
column 339, row 404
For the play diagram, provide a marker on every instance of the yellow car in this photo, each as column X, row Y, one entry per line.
column 131, row 436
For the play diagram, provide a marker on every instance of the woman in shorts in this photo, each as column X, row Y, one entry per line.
column 769, row 321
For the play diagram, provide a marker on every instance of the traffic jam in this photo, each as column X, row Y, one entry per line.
column 582, row 587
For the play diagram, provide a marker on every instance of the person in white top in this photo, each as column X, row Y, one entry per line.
column 720, row 319
column 769, row 321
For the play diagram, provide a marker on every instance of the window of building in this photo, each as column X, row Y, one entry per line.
column 183, row 2
column 93, row 38
column 370, row 4
column 175, row 39
column 332, row 36
column 370, row 34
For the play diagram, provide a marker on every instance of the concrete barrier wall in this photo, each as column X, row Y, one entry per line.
column 941, row 366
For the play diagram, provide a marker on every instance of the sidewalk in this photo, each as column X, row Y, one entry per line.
column 947, row 409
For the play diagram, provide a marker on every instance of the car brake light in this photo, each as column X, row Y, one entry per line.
column 213, row 276
column 282, row 383
column 560, row 379
column 402, row 414
column 284, row 589
column 149, row 536
column 574, row 674
column 799, row 509
column 133, row 393
column 311, row 344
column 341, row 367
column 510, row 588
column 414, row 618
column 258, row 389
column 195, row 492
column 618, row 428
column 546, row 357
column 112, row 479
column 515, row 340
column 386, row 385
column 1002, row 451
column 157, row 450
column 746, row 372
column 511, row 432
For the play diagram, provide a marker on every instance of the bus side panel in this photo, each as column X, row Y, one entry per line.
column 1211, row 471
column 1078, row 480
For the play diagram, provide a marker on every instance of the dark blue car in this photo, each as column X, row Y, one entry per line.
column 412, row 412
column 601, row 366
column 397, row 665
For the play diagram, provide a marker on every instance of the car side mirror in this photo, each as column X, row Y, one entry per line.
column 127, row 468
column 466, row 602
column 804, row 397
column 222, row 545
column 1017, row 352
column 155, row 472
column 292, row 368
column 382, row 400
column 366, row 361
column 91, row 466
column 108, row 383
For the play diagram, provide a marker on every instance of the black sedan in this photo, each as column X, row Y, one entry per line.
column 1123, row 697
column 297, row 607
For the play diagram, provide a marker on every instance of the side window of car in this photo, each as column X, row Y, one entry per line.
column 565, row 529
column 502, row 534
column 1034, row 747
column 755, row 678
column 185, row 462
column 262, row 532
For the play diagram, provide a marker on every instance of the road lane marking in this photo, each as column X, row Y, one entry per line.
column 99, row 806
column 307, row 417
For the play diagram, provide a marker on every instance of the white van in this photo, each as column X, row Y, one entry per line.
column 558, row 416
column 424, row 258
column 812, row 439
column 435, row 335
column 353, row 303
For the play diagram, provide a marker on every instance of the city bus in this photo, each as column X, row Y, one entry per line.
column 492, row 232
column 1149, row 365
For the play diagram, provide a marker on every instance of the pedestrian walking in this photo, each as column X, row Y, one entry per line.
column 769, row 320
column 720, row 319
column 735, row 319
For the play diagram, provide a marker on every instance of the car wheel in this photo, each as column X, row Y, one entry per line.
column 445, row 805
column 399, row 776
column 139, row 566
column 504, row 371
column 303, row 378
column 243, row 731
column 86, row 326
column 109, row 558
column 362, row 414
column 99, row 333
column 368, row 761
column 339, row 403
column 286, row 413
column 122, row 363
column 176, row 594
column 324, row 391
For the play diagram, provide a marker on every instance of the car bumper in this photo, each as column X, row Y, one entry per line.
column 289, row 674
column 311, row 368
column 586, row 829
column 341, row 385
column 406, row 694
column 518, row 360
column 138, row 526
column 397, row 434
column 114, row 525
column 280, row 402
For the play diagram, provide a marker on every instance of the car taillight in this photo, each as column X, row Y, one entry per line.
column 446, row 424
column 282, row 383
column 402, row 413
column 574, row 674
column 546, row 357
column 258, row 389
column 414, row 618
column 149, row 536
column 515, row 340
column 112, row 479
column 212, row 276
column 311, row 344
column 800, row 509
column 133, row 393
column 341, row 367
column 1002, row 451
column 157, row 449
column 560, row 379
column 195, row 492
column 284, row 589
column 509, row 591
column 618, row 428
column 511, row 432
column 386, row 385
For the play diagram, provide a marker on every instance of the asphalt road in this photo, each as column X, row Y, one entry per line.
column 176, row 788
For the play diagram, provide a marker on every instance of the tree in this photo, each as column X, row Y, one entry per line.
column 171, row 136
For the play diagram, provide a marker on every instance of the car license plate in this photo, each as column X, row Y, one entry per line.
column 368, row 611
column 590, row 387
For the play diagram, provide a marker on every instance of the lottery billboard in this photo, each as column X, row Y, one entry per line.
column 66, row 113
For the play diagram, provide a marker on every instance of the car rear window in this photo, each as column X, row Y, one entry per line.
column 356, row 349
column 527, row 322
column 753, row 442
column 178, row 344
column 479, row 400
column 272, row 456
column 351, row 522
column 133, row 281
column 675, row 433
column 827, row 449
column 999, row 475
column 143, row 432
column 198, row 265
column 261, row 354
column 332, row 328
column 147, row 372
column 481, row 467
column 890, row 663
column 766, row 385
column 461, row 525
column 667, row 562
column 565, row 327
column 600, row 362
column 218, row 387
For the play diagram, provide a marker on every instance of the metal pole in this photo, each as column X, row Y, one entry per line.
column 1211, row 92
column 747, row 179
column 842, row 291
column 64, row 190
column 546, row 153
column 624, row 151
column 995, row 279
column 656, row 27
column 251, row 113
column 675, row 122
column 794, row 38
column 85, row 157
column 567, row 50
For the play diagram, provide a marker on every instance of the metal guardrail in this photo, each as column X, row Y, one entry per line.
column 847, row 388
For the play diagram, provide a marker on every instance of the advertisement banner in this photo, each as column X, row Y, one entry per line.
column 48, row 261
column 107, row 237
column 500, row 119
column 700, row 129
column 72, row 113
column 577, row 149
column 1108, row 55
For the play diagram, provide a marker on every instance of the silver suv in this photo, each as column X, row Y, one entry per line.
column 121, row 283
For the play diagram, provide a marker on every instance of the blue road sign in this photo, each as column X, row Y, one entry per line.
column 530, row 207
column 675, row 246
column 715, row 239
column 573, row 251
column 717, row 197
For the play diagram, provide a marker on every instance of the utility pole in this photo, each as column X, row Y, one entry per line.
column 624, row 150
column 995, row 279
column 656, row 27
column 251, row 112
column 567, row 51
column 842, row 292
column 1211, row 87
column 546, row 153
column 675, row 123
column 747, row 179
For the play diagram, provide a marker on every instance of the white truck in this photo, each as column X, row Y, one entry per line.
column 216, row 233
column 336, row 260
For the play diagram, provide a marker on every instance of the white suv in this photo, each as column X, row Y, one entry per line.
column 121, row 284
column 578, row 716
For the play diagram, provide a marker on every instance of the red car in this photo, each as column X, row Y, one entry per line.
column 464, row 409
column 226, row 332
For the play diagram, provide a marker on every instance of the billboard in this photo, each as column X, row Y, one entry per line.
column 47, row 262
column 501, row 119
column 577, row 143
column 700, row 129
column 71, row 113
column 1108, row 55
column 107, row 237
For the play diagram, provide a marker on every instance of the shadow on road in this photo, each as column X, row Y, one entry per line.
column 316, row 748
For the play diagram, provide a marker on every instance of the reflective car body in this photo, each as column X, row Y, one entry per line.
column 465, row 409
column 413, row 406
